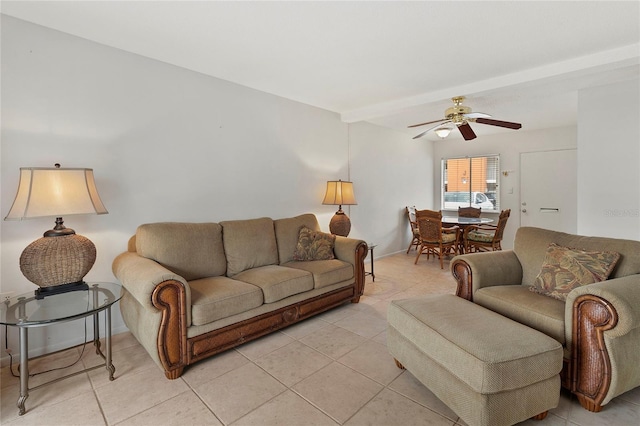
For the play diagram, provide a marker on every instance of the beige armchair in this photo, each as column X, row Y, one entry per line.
column 598, row 324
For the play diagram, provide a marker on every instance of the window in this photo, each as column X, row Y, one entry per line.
column 471, row 181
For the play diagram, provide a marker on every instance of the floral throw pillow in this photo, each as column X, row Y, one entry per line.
column 564, row 269
column 314, row 245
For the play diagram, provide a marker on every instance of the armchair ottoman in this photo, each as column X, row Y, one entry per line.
column 488, row 369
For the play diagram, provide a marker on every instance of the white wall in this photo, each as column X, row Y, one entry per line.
column 391, row 171
column 169, row 144
column 509, row 145
column 609, row 161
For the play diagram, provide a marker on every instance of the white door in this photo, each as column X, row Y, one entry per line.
column 548, row 190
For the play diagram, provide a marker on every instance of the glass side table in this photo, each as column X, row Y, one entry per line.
column 25, row 311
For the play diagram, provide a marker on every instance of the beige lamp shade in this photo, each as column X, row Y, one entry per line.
column 59, row 261
column 55, row 192
column 339, row 193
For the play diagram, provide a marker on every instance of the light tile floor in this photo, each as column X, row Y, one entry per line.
column 333, row 369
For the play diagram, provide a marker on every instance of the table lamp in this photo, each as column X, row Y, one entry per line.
column 339, row 193
column 58, row 261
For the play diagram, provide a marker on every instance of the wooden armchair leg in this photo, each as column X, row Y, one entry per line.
column 540, row 416
column 398, row 364
column 588, row 403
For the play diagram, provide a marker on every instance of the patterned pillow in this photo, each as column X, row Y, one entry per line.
column 567, row 268
column 314, row 245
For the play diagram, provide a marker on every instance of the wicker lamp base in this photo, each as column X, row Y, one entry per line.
column 340, row 224
column 56, row 261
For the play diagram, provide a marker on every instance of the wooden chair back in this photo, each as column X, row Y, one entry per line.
column 432, row 239
column 469, row 211
column 429, row 225
column 415, row 234
column 502, row 223
column 411, row 216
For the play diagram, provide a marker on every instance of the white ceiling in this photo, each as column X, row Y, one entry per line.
column 390, row 63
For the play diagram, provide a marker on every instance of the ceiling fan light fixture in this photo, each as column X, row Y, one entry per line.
column 460, row 116
column 443, row 132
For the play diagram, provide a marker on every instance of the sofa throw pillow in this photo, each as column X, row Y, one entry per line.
column 564, row 269
column 314, row 245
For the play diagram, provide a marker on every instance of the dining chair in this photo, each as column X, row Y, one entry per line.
column 469, row 212
column 415, row 234
column 485, row 237
column 434, row 239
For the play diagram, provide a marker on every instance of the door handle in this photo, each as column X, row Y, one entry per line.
column 524, row 210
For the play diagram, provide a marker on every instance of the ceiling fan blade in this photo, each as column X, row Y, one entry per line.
column 428, row 122
column 430, row 129
column 476, row 115
column 507, row 124
column 467, row 132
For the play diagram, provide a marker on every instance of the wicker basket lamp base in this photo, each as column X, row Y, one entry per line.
column 340, row 224
column 55, row 261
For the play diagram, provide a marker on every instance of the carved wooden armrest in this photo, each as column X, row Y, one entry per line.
column 461, row 271
column 170, row 298
column 590, row 363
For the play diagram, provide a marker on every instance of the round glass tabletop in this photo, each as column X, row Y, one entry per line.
column 466, row 220
column 25, row 310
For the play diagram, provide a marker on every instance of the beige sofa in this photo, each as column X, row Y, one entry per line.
column 598, row 324
column 192, row 290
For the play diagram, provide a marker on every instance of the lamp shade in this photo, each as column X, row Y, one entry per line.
column 339, row 193
column 56, row 192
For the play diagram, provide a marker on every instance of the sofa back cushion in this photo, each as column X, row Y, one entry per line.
column 248, row 244
column 287, row 233
column 531, row 245
column 191, row 250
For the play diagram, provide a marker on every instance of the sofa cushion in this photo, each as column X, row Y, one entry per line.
column 325, row 272
column 249, row 244
column 191, row 250
column 564, row 269
column 287, row 233
column 220, row 297
column 518, row 303
column 314, row 245
column 277, row 282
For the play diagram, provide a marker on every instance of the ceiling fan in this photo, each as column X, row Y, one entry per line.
column 460, row 116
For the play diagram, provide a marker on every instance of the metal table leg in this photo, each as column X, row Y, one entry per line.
column 24, row 368
column 96, row 325
column 373, row 275
column 110, row 367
